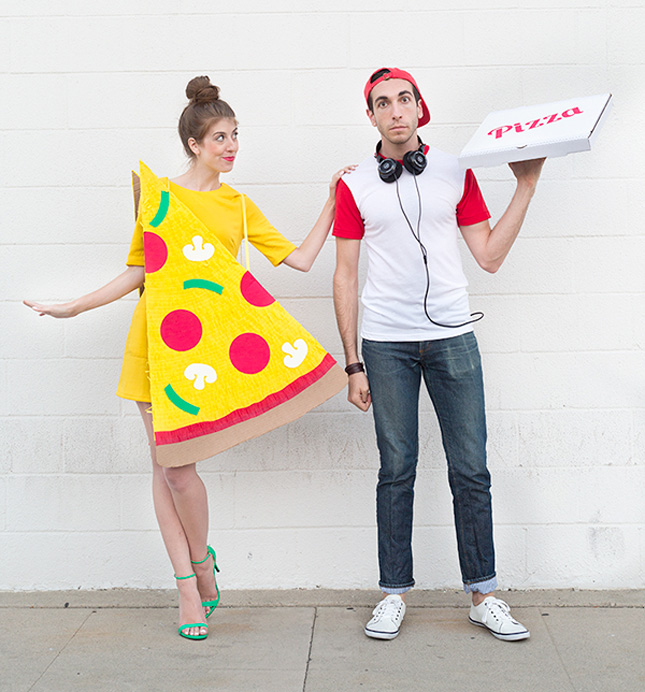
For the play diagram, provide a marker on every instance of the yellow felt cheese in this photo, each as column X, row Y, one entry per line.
column 222, row 351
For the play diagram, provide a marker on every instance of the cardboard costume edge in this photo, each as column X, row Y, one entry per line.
column 200, row 448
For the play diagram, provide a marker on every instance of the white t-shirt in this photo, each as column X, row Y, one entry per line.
column 393, row 296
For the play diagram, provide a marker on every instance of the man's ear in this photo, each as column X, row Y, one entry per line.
column 370, row 115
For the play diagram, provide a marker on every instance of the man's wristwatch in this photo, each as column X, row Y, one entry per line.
column 353, row 368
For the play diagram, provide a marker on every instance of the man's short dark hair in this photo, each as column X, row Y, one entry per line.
column 377, row 75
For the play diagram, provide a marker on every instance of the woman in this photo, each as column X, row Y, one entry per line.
column 208, row 131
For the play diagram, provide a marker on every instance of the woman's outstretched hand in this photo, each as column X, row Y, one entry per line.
column 58, row 310
column 336, row 177
column 133, row 277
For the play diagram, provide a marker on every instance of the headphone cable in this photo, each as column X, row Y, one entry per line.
column 417, row 236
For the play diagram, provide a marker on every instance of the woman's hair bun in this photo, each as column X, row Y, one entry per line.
column 200, row 90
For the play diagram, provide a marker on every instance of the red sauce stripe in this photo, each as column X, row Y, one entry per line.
column 242, row 414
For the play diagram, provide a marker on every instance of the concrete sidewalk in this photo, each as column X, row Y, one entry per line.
column 313, row 641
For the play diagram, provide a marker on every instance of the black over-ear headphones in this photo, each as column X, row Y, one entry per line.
column 390, row 170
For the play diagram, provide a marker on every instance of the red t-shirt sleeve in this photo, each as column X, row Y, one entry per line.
column 347, row 219
column 471, row 208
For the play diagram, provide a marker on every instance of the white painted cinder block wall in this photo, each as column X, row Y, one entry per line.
column 89, row 88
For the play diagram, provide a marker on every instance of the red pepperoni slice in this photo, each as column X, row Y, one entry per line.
column 254, row 293
column 155, row 252
column 249, row 353
column 181, row 330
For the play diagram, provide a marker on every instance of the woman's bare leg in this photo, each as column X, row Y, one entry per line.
column 191, row 505
column 181, row 507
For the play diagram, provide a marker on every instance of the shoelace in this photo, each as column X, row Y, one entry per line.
column 389, row 608
column 500, row 609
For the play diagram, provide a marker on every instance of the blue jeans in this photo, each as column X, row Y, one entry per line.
column 451, row 369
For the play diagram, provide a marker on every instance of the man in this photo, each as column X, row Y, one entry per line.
column 407, row 204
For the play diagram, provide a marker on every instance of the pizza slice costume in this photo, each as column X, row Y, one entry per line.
column 219, row 358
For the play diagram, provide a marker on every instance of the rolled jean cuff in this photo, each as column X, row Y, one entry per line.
column 390, row 589
column 481, row 586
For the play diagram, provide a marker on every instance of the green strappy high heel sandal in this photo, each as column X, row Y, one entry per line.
column 182, row 628
column 211, row 605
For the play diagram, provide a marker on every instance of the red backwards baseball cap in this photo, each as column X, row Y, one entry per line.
column 395, row 73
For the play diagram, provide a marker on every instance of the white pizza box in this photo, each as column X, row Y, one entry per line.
column 531, row 132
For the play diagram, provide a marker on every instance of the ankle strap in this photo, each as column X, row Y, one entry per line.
column 188, row 577
column 209, row 552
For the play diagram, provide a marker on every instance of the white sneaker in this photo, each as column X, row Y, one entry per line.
column 387, row 618
column 495, row 616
